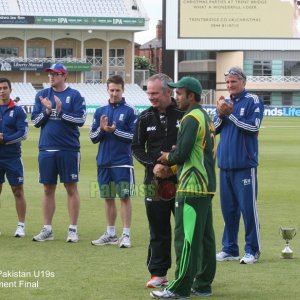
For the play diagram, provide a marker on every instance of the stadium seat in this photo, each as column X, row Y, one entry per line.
column 92, row 8
column 25, row 91
column 4, row 7
column 96, row 94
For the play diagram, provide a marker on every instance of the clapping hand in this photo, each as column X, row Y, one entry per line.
column 47, row 104
column 58, row 104
column 224, row 108
column 104, row 125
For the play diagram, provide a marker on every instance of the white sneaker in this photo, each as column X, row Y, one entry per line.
column 124, row 241
column 165, row 294
column 248, row 259
column 20, row 232
column 72, row 236
column 44, row 235
column 223, row 256
column 105, row 239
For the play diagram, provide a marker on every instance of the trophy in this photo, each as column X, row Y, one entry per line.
column 287, row 234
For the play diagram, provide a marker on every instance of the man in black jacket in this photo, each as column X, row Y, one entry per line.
column 156, row 131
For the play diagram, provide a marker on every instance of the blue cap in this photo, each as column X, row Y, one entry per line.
column 57, row 68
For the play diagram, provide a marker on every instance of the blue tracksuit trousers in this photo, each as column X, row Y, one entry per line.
column 238, row 192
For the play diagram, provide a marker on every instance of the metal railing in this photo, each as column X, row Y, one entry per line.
column 208, row 97
column 116, row 61
column 273, row 79
column 22, row 59
column 94, row 60
column 141, row 77
column 93, row 81
column 42, row 59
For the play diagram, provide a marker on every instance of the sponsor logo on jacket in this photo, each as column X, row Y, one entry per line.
column 151, row 128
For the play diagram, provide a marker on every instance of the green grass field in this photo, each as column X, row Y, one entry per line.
column 81, row 271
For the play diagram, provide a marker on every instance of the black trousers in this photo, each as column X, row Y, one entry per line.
column 159, row 250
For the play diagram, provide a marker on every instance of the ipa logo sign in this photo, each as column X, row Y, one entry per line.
column 62, row 20
column 117, row 21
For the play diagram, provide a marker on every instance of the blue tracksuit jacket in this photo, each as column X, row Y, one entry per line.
column 114, row 148
column 14, row 126
column 238, row 147
column 59, row 131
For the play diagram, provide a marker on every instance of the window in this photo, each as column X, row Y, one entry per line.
column 36, row 52
column 262, row 68
column 63, row 52
column 120, row 73
column 9, row 52
column 93, row 77
column 94, row 56
column 208, row 80
column 287, row 98
column 291, row 68
column 116, row 57
column 265, row 96
column 199, row 55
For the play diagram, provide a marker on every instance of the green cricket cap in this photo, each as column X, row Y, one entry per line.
column 189, row 83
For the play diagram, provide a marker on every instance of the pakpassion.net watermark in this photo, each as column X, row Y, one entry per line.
column 164, row 190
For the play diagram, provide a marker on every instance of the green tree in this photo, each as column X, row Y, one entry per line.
column 143, row 63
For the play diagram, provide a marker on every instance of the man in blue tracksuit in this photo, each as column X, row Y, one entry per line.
column 113, row 127
column 59, row 111
column 238, row 120
column 13, row 129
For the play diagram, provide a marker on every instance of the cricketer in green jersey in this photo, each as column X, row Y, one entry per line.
column 194, row 155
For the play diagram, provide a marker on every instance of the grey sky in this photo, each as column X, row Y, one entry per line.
column 154, row 11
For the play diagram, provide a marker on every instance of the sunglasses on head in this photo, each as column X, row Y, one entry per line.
column 235, row 73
